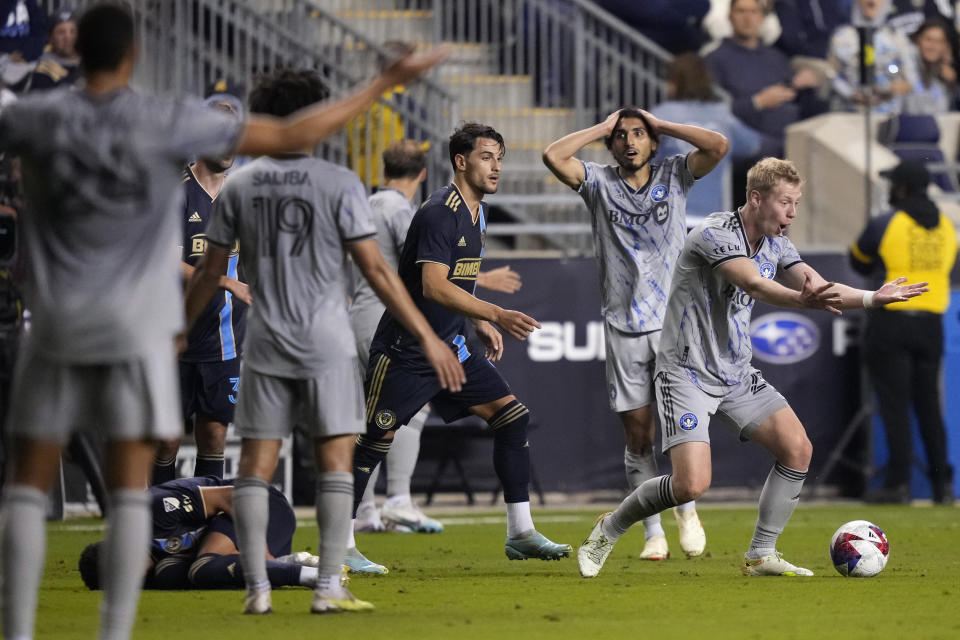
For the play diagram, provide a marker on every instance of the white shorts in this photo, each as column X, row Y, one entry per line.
column 330, row 404
column 685, row 410
column 630, row 367
column 126, row 400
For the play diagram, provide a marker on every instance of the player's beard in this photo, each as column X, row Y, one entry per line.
column 631, row 165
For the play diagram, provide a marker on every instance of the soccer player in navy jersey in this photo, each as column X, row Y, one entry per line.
column 194, row 541
column 439, row 265
column 210, row 364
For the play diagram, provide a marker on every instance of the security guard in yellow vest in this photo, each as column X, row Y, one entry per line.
column 904, row 341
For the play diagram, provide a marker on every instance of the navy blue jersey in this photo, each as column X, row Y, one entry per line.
column 179, row 518
column 218, row 332
column 442, row 231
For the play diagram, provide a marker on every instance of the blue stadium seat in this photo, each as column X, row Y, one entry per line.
column 917, row 137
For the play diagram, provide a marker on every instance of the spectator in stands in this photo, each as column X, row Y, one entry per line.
column 23, row 34
column 716, row 24
column 904, row 341
column 693, row 100
column 806, row 25
column 760, row 79
column 672, row 24
column 935, row 87
column 60, row 64
column 894, row 71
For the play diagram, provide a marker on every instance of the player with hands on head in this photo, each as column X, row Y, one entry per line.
column 704, row 364
column 638, row 208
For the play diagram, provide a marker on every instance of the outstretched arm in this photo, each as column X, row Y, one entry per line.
column 743, row 273
column 850, row 298
column 265, row 135
column 502, row 279
column 559, row 155
column 436, row 287
column 389, row 288
column 710, row 145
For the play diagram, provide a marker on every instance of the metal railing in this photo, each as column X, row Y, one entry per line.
column 188, row 45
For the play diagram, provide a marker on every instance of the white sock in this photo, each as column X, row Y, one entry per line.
column 518, row 518
column 309, row 576
column 687, row 506
column 122, row 561
column 24, row 548
column 399, row 500
column 329, row 586
column 351, row 541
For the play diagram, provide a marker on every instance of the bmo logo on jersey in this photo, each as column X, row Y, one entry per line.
column 784, row 337
column 556, row 341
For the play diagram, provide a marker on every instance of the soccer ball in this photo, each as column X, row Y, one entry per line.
column 859, row 549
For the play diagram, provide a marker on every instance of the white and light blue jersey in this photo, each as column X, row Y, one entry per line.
column 638, row 235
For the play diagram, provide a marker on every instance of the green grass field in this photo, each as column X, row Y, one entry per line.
column 459, row 584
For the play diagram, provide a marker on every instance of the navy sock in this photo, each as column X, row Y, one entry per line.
column 511, row 451
column 212, row 571
column 164, row 471
column 366, row 456
column 209, row 464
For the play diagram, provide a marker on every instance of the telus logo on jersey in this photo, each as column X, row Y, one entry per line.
column 556, row 341
column 784, row 337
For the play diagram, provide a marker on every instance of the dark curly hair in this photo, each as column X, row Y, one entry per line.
column 89, row 565
column 105, row 34
column 287, row 90
column 464, row 139
column 633, row 112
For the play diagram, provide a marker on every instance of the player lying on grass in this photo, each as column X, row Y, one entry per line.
column 703, row 366
column 194, row 544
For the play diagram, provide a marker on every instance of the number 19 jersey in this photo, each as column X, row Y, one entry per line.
column 292, row 216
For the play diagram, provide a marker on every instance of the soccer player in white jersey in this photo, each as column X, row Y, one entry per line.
column 638, row 211
column 295, row 218
column 703, row 367
column 101, row 167
column 404, row 168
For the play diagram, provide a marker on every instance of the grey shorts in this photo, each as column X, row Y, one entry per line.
column 686, row 410
column 125, row 400
column 330, row 404
column 364, row 321
column 630, row 367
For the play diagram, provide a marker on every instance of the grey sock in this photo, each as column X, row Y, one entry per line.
column 653, row 496
column 780, row 495
column 122, row 561
column 402, row 459
column 334, row 503
column 251, row 511
column 24, row 547
column 369, row 494
column 641, row 468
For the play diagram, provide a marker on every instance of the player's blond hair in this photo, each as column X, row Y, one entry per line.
column 767, row 174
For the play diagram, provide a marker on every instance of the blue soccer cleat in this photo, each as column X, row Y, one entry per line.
column 356, row 562
column 531, row 544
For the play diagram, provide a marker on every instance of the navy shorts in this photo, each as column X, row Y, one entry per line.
column 280, row 526
column 209, row 389
column 396, row 391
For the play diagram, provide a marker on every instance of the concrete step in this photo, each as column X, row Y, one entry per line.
column 474, row 91
column 390, row 24
column 525, row 127
column 361, row 5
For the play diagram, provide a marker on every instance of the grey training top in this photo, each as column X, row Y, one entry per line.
column 292, row 217
column 706, row 333
column 392, row 213
column 102, row 180
column 639, row 234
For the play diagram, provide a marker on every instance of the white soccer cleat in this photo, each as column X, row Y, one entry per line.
column 594, row 551
column 257, row 603
column 302, row 558
column 407, row 518
column 341, row 601
column 368, row 519
column 655, row 548
column 772, row 565
column 693, row 540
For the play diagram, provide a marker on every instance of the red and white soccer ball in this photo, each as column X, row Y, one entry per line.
column 859, row 549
